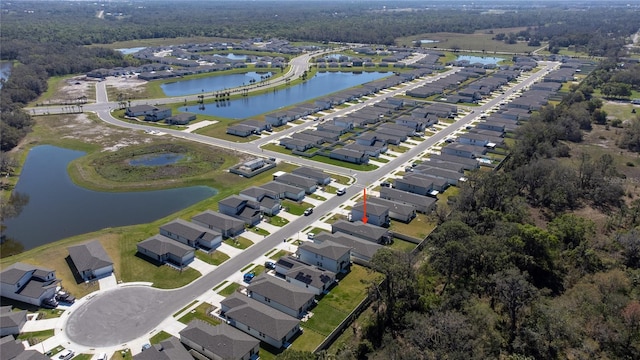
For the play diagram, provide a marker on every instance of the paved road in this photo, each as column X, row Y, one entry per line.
column 126, row 313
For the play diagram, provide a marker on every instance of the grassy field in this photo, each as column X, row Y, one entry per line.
column 36, row 337
column 239, row 242
column 215, row 258
column 159, row 337
column 230, row 289
column 480, row 41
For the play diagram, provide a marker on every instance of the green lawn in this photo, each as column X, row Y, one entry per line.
column 325, row 318
column 278, row 221
column 83, row 357
column 159, row 337
column 215, row 258
column 36, row 337
column 185, row 308
column 402, row 245
column 295, row 208
column 230, row 289
column 200, row 313
column 308, row 341
column 419, row 227
column 239, row 242
column 279, row 254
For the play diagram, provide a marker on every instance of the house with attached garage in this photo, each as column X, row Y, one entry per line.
column 464, row 150
column 281, row 295
column 377, row 214
column 285, row 191
column 11, row 322
column 361, row 250
column 467, row 163
column 269, row 200
column 90, row 260
column 319, row 176
column 220, row 342
column 329, row 256
column 12, row 349
column 240, row 208
column 191, row 234
column 241, row 130
column 259, row 320
column 180, row 119
column 226, row 225
column 364, row 231
column 29, row 284
column 296, row 144
column 170, row 349
column 305, row 275
column 166, row 251
column 397, row 211
column 309, row 185
column 414, row 184
column 348, row 155
column 422, row 204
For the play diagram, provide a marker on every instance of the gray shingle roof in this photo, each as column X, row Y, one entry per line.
column 15, row 272
column 282, row 292
column 189, row 230
column 265, row 319
column 159, row 244
column 89, row 256
column 365, row 231
column 222, row 340
column 372, row 209
column 218, row 220
column 357, row 245
column 329, row 250
column 306, row 273
column 170, row 349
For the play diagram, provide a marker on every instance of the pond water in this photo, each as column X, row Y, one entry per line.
column 5, row 71
column 321, row 84
column 58, row 208
column 485, row 60
column 232, row 56
column 128, row 51
column 428, row 41
column 156, row 159
column 211, row 83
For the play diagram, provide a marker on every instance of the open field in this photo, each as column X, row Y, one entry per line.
column 479, row 41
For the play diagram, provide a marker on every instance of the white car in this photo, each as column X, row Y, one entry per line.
column 102, row 356
column 66, row 354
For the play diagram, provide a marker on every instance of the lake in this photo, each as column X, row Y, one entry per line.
column 323, row 83
column 128, row 51
column 58, row 208
column 211, row 83
column 485, row 60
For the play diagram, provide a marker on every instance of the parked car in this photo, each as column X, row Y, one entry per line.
column 249, row 276
column 341, row 191
column 308, row 211
column 102, row 356
column 270, row 265
column 311, row 236
column 66, row 354
column 385, row 184
column 146, row 346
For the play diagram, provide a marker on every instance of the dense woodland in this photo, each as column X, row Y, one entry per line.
column 512, row 270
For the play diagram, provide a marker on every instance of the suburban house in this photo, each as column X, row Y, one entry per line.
column 364, row 231
column 319, row 176
column 361, row 250
column 90, row 260
column 377, row 214
column 348, row 155
column 281, row 295
column 220, row 342
column 465, row 151
column 309, row 185
column 397, row 211
column 29, row 284
column 430, row 172
column 269, row 200
column 240, row 208
column 180, row 119
column 299, row 273
column 170, row 349
column 259, row 320
column 414, row 184
column 468, row 163
column 191, row 234
column 11, row 322
column 151, row 113
column 12, row 349
column 241, row 130
column 285, row 191
column 226, row 225
column 422, row 204
column 166, row 251
column 277, row 118
column 297, row 144
column 330, row 256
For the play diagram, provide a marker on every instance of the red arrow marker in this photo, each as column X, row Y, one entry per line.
column 364, row 216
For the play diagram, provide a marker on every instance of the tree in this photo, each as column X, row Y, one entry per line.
column 630, row 242
column 571, row 230
column 515, row 293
